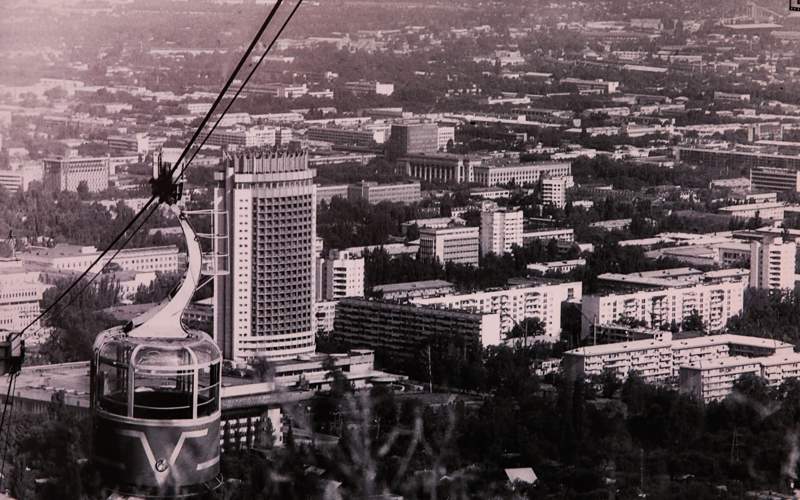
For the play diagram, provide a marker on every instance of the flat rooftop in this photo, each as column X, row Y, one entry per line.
column 412, row 285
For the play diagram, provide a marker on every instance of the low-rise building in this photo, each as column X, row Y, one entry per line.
column 764, row 211
column 566, row 235
column 413, row 289
column 373, row 193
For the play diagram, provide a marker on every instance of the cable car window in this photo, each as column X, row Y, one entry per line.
column 208, row 390
column 163, row 396
column 111, row 387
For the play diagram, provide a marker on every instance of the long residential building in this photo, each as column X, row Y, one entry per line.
column 714, row 380
column 662, row 358
column 402, row 331
column 516, row 304
column 666, row 304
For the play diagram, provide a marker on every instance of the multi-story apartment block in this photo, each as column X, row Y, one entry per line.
column 714, row 380
column 663, row 359
column 489, row 174
column 451, row 244
column 74, row 258
column 666, row 303
column 516, row 304
column 650, row 359
column 772, row 263
column 500, row 231
column 66, row 174
column 243, row 137
column 402, row 331
column 340, row 275
column 264, row 305
column 554, row 190
column 373, row 193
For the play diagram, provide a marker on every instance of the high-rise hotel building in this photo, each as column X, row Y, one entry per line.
column 264, row 305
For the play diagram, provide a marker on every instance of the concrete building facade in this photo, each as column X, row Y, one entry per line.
column 451, row 244
column 500, row 231
column 266, row 205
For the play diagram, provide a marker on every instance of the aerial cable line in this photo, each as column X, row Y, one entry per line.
column 194, row 154
column 196, row 134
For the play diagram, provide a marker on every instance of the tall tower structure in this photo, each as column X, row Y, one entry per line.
column 264, row 305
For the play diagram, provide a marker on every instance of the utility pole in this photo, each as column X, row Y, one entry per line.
column 641, row 471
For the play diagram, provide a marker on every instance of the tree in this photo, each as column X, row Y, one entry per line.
column 694, row 322
column 83, row 190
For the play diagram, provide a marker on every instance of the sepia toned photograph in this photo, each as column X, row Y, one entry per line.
column 399, row 249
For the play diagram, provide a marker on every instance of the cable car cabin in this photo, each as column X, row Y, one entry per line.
column 156, row 407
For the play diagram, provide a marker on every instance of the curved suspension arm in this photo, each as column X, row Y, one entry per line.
column 164, row 320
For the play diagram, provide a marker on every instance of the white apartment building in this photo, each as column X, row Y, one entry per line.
column 554, row 190
column 264, row 305
column 243, row 137
column 450, row 244
column 74, row 258
column 21, row 294
column 714, row 380
column 664, row 359
column 515, row 304
column 340, row 275
column 714, row 302
column 650, row 359
column 519, row 173
column 772, row 263
column 500, row 231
